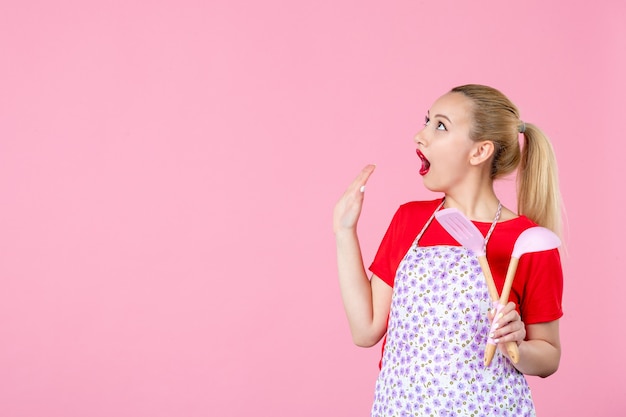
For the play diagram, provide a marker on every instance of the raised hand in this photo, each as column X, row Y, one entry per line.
column 348, row 208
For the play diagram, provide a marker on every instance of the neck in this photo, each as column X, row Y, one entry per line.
column 479, row 204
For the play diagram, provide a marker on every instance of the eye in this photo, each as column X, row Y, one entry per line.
column 441, row 126
column 426, row 120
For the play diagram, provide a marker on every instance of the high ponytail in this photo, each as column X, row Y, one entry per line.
column 538, row 195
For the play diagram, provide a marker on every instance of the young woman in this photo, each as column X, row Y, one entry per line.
column 427, row 294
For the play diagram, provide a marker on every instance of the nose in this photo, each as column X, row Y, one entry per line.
column 419, row 138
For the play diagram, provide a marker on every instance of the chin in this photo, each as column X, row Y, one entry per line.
column 430, row 186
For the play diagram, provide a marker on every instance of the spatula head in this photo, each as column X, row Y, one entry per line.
column 462, row 230
column 535, row 239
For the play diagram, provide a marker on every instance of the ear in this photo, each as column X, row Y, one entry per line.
column 481, row 152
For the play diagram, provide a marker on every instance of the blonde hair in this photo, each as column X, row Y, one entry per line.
column 496, row 118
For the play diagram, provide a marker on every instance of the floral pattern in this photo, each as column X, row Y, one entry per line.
column 433, row 358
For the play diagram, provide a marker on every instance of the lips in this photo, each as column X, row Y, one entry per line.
column 425, row 163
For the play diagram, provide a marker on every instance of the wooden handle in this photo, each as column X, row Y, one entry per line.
column 490, row 350
column 511, row 347
column 491, row 286
column 513, row 351
column 508, row 281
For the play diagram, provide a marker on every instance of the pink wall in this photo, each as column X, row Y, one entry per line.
column 168, row 171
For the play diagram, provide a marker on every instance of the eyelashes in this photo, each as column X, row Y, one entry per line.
column 440, row 125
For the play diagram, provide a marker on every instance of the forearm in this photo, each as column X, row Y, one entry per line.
column 538, row 357
column 356, row 290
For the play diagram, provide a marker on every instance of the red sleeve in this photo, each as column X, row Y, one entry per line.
column 543, row 286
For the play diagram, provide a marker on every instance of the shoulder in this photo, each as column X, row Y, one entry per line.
column 520, row 222
column 514, row 227
column 417, row 208
column 411, row 216
column 506, row 234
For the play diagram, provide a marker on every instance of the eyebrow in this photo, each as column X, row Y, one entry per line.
column 443, row 116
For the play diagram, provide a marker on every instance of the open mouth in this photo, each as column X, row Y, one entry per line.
column 425, row 162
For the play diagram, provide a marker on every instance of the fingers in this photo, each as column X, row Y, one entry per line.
column 348, row 208
column 361, row 180
column 501, row 311
column 357, row 188
column 508, row 325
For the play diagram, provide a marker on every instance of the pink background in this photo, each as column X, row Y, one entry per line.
column 168, row 171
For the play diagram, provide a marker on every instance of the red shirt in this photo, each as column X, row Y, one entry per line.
column 538, row 286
